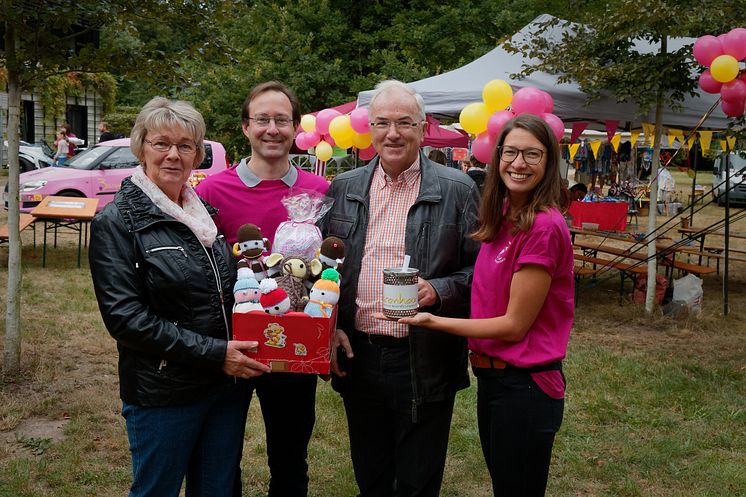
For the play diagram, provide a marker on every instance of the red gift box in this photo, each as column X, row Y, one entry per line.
column 293, row 343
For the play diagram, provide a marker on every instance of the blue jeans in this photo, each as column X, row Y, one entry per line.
column 200, row 441
column 61, row 160
column 517, row 423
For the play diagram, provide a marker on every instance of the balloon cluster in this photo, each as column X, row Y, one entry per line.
column 331, row 128
column 722, row 55
column 485, row 119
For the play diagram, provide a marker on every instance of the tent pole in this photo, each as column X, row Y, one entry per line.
column 694, row 185
column 727, row 230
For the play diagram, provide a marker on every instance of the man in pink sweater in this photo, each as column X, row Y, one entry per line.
column 251, row 193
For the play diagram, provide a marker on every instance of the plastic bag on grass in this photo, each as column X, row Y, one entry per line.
column 689, row 291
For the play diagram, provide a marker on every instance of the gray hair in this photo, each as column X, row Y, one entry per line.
column 161, row 113
column 393, row 84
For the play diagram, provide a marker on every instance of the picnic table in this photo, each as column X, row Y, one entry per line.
column 716, row 252
column 73, row 213
column 24, row 221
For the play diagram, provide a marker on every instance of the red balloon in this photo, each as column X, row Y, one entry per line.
column 708, row 83
column 734, row 91
column 554, row 122
column 733, row 109
column 300, row 141
column 496, row 122
column 483, row 147
column 312, row 138
column 528, row 100
column 705, row 49
column 327, row 138
column 323, row 118
column 367, row 153
column 735, row 43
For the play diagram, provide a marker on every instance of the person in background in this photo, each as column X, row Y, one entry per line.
column 477, row 172
column 62, row 146
column 106, row 135
column 181, row 400
column 69, row 133
column 522, row 308
column 438, row 156
column 578, row 191
column 398, row 382
column 251, row 192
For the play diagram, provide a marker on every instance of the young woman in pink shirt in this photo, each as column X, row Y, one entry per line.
column 522, row 305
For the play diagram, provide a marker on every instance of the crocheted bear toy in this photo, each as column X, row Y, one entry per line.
column 324, row 295
column 296, row 270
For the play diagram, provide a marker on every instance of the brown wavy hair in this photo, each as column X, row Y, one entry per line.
column 545, row 196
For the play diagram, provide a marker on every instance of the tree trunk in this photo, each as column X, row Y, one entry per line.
column 12, row 352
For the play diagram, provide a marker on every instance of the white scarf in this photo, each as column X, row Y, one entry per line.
column 193, row 213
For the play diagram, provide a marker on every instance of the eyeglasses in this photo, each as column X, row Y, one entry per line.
column 401, row 126
column 263, row 121
column 531, row 156
column 182, row 148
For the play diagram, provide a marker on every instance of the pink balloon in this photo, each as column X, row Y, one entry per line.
column 323, row 118
column 359, row 120
column 706, row 48
column 496, row 122
column 554, row 122
column 528, row 100
column 734, row 90
column 327, row 138
column 735, row 43
column 483, row 147
column 300, row 141
column 549, row 103
column 312, row 138
column 367, row 153
column 733, row 108
column 708, row 83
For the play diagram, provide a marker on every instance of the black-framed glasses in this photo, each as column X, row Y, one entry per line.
column 263, row 121
column 164, row 146
column 383, row 125
column 531, row 156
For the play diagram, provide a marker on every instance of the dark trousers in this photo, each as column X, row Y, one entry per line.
column 517, row 424
column 288, row 403
column 392, row 455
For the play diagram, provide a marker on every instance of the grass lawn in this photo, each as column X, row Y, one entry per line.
column 656, row 406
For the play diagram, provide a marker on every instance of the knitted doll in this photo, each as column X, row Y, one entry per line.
column 246, row 293
column 296, row 270
column 250, row 246
column 332, row 253
column 274, row 300
column 324, row 295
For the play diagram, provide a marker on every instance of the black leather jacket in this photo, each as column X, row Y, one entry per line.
column 437, row 239
column 164, row 297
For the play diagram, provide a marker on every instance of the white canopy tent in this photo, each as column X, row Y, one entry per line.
column 448, row 93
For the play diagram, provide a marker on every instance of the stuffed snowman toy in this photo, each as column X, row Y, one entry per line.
column 246, row 294
column 324, row 295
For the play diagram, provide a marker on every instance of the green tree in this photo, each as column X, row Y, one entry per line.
column 44, row 39
column 602, row 50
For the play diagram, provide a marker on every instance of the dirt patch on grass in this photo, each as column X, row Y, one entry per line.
column 33, row 436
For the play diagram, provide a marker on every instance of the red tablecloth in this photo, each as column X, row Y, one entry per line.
column 608, row 215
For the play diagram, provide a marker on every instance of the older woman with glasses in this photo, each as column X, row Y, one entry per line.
column 163, row 277
column 521, row 308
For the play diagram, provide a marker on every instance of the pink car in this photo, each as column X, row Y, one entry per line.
column 98, row 173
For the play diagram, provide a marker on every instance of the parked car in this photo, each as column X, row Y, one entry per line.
column 98, row 173
column 34, row 156
column 737, row 192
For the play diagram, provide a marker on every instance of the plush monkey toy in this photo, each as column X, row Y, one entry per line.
column 250, row 246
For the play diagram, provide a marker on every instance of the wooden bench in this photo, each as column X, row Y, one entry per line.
column 25, row 220
column 602, row 265
column 711, row 254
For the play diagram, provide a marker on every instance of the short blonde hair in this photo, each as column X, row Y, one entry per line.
column 161, row 113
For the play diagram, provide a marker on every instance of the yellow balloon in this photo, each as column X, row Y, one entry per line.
column 497, row 94
column 323, row 151
column 341, row 129
column 362, row 141
column 308, row 122
column 724, row 68
column 345, row 142
column 474, row 118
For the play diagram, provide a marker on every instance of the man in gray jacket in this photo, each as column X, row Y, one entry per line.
column 398, row 382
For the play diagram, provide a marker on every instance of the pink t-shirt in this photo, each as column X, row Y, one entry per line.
column 548, row 245
column 260, row 204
